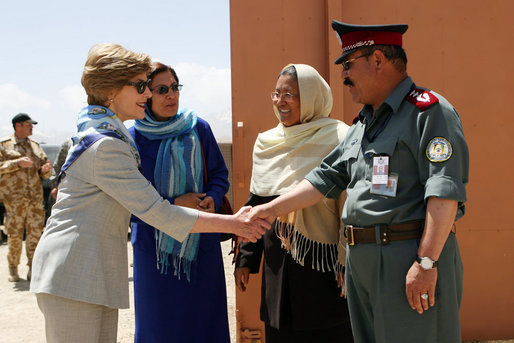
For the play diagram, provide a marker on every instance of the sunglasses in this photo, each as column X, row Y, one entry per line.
column 162, row 90
column 348, row 63
column 140, row 86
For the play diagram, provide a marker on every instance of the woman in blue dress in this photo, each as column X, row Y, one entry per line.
column 179, row 289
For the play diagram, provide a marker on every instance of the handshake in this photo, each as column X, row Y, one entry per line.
column 250, row 223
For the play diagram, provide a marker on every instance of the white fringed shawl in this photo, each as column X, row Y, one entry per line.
column 283, row 156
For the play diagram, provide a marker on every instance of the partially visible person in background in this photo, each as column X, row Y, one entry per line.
column 80, row 269
column 58, row 163
column 180, row 286
column 23, row 164
column 303, row 252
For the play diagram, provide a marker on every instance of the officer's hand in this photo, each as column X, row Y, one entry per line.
column 46, row 167
column 264, row 212
column 25, row 162
column 248, row 231
column 418, row 282
column 241, row 276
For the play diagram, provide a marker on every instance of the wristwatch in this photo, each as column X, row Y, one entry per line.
column 426, row 262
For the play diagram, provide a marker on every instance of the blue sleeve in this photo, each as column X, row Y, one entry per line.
column 217, row 172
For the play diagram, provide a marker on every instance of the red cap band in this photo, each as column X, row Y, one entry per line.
column 357, row 39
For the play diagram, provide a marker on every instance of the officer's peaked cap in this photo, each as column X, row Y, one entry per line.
column 353, row 37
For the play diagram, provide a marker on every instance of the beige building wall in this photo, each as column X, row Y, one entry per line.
column 460, row 49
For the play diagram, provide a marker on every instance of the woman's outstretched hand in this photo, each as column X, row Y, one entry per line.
column 249, row 230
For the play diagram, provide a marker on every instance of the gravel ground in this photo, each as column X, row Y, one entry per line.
column 21, row 320
column 126, row 319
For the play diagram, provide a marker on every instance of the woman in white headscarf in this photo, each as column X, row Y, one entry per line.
column 303, row 261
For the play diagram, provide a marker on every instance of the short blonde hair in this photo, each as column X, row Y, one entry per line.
column 109, row 67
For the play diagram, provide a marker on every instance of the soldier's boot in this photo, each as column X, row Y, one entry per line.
column 13, row 274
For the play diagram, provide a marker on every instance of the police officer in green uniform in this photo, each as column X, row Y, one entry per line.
column 404, row 164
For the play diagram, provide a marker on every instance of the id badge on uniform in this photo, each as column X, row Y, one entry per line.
column 383, row 182
column 380, row 170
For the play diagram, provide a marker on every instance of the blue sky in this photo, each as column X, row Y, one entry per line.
column 44, row 45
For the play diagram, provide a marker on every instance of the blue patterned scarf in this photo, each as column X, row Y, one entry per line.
column 94, row 123
column 178, row 170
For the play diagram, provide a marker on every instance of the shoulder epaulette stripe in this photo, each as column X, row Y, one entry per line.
column 421, row 98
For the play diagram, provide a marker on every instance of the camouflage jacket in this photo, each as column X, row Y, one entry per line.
column 16, row 182
column 59, row 160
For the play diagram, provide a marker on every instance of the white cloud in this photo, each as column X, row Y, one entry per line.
column 56, row 113
column 5, row 130
column 13, row 99
column 74, row 96
column 206, row 90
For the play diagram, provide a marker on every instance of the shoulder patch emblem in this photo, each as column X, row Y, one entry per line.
column 439, row 150
column 421, row 98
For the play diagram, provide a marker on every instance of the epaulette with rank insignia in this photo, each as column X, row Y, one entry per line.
column 421, row 98
column 33, row 141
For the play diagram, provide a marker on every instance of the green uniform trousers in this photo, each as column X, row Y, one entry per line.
column 379, row 310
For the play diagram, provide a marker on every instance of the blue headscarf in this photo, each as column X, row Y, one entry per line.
column 178, row 170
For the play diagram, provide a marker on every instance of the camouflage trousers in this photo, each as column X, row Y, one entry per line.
column 23, row 215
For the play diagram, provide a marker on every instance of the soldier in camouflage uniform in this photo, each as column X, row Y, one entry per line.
column 23, row 164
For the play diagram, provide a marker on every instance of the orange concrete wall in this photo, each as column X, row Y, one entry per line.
column 460, row 49
column 265, row 36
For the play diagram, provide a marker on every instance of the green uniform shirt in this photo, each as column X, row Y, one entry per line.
column 422, row 134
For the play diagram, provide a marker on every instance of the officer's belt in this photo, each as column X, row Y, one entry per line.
column 383, row 234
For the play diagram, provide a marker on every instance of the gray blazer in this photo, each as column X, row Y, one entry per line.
column 82, row 254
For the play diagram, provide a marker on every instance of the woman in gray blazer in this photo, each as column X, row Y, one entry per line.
column 80, row 267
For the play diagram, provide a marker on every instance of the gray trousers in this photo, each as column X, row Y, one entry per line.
column 68, row 320
column 379, row 310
